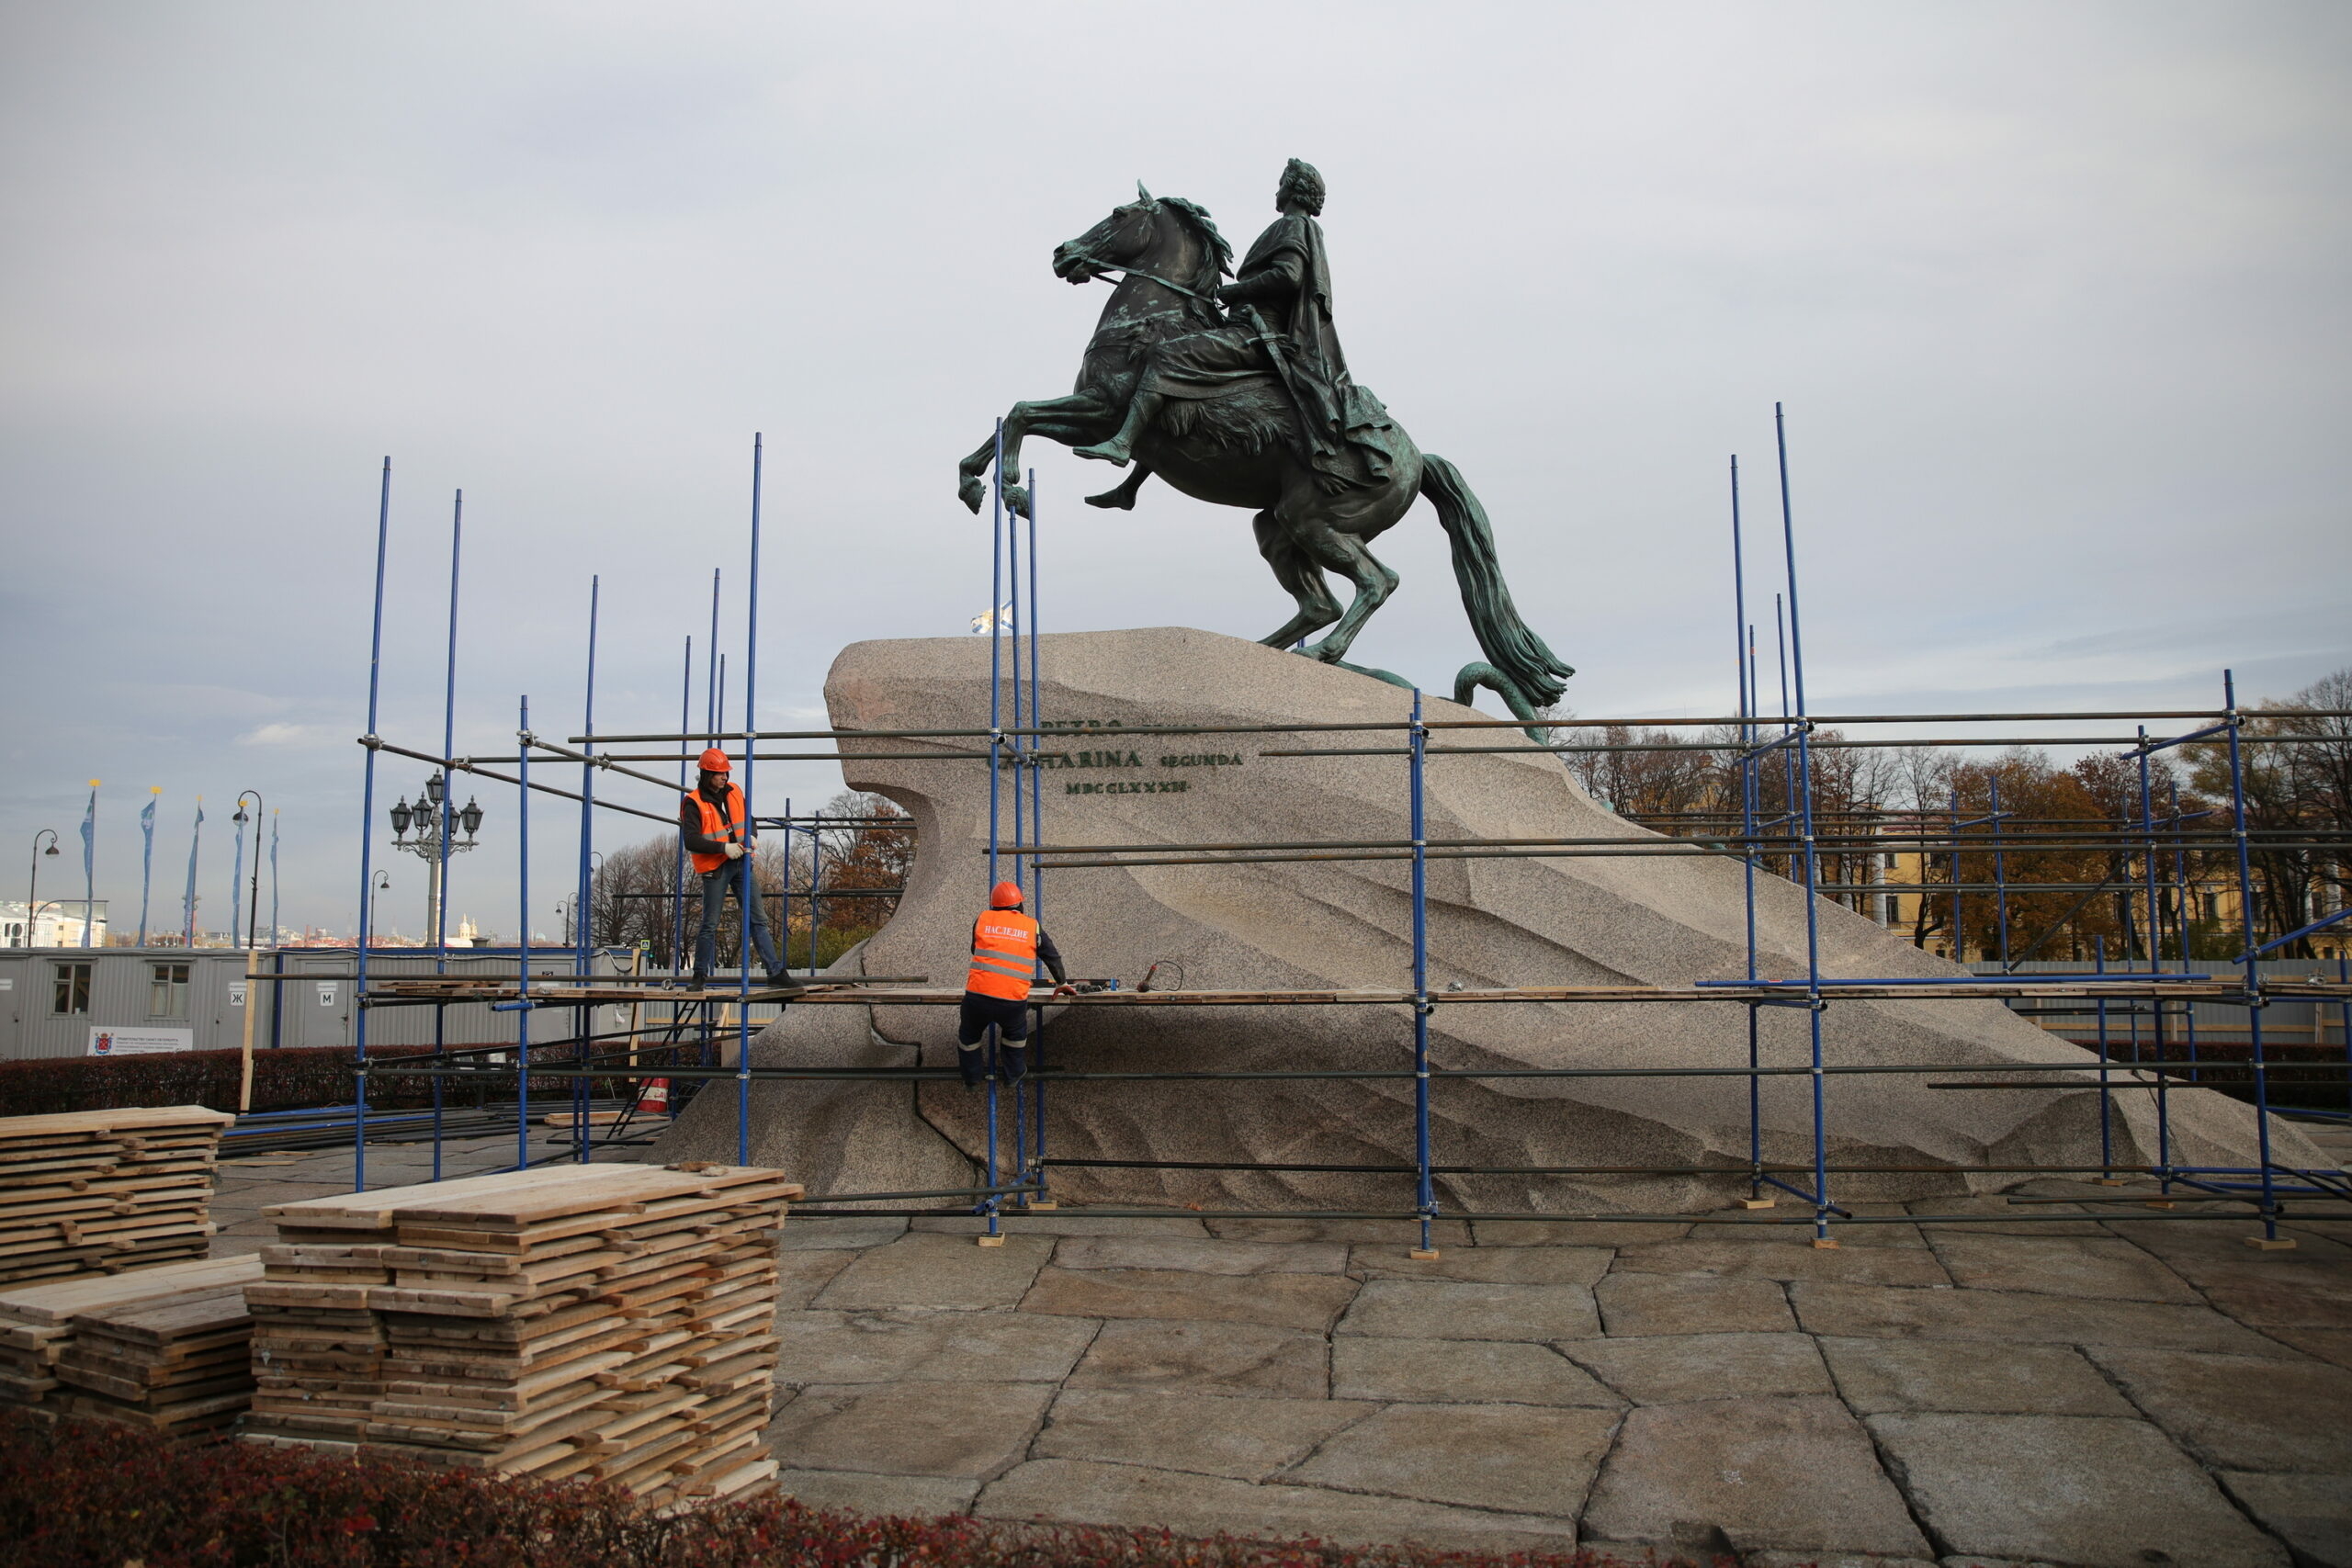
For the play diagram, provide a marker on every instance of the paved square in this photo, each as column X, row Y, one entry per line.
column 2107, row 1391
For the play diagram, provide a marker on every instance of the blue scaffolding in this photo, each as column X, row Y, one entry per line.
column 1013, row 1171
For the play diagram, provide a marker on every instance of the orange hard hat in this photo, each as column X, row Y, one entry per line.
column 1005, row 896
column 714, row 761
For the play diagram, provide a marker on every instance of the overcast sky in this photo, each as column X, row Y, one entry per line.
column 2055, row 295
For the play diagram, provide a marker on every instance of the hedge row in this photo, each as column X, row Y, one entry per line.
column 86, row 1495
column 290, row 1080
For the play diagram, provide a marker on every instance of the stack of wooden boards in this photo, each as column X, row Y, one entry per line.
column 610, row 1321
column 95, row 1191
column 163, row 1337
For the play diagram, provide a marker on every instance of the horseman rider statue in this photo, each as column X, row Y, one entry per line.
column 1280, row 320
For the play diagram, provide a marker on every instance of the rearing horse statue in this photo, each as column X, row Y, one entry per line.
column 1247, row 440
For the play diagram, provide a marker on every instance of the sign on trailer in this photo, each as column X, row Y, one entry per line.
column 106, row 1042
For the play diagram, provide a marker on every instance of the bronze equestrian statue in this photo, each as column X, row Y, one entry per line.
column 1238, row 394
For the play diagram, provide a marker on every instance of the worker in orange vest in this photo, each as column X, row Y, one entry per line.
column 1007, row 945
column 715, row 828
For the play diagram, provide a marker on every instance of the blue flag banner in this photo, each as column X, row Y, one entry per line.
column 237, row 880
column 187, row 904
column 147, row 859
column 89, row 864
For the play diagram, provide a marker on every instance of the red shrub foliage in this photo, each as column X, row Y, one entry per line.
column 283, row 1080
column 290, row 1080
column 86, row 1496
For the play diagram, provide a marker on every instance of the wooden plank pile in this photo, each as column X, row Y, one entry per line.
column 180, row 1364
column 95, row 1191
column 39, row 1323
column 611, row 1321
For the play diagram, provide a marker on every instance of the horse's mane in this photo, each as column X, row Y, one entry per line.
column 1216, row 257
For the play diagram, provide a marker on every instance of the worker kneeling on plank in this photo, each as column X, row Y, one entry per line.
column 716, row 829
column 1006, row 946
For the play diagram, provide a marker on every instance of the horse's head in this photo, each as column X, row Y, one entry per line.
column 1170, row 238
column 1126, row 238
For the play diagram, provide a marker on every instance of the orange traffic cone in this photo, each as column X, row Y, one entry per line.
column 653, row 1097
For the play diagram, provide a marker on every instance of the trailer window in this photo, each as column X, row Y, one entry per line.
column 167, row 990
column 71, row 994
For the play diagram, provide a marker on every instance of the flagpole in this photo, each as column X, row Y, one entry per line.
column 147, row 858
column 89, row 865
column 187, row 904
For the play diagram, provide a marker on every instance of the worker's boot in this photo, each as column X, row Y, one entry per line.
column 968, row 1060
column 1016, row 1059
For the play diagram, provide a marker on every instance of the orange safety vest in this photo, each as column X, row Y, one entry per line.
column 1004, row 956
column 715, row 825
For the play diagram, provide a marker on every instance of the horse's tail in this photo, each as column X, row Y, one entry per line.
column 1509, row 645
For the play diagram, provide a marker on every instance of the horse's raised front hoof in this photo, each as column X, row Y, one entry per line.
column 972, row 493
column 1016, row 500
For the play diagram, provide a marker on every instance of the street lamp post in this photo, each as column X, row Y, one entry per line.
column 32, row 882
column 425, row 816
column 383, row 880
column 253, row 884
column 253, row 990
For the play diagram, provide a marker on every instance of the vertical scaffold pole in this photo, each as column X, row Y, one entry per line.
column 2000, row 879
column 2180, row 923
column 583, row 886
column 748, row 887
column 2155, row 997
column 1036, row 1176
column 2254, row 1001
column 449, row 805
column 1744, row 656
column 1814, row 1005
column 1424, row 1189
column 990, row 1067
column 678, row 865
column 2106, row 1108
column 524, row 738
column 1020, row 871
column 367, row 846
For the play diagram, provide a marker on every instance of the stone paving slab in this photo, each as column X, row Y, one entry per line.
column 1398, row 1234
column 1520, row 1458
column 1247, row 1439
column 1577, row 1233
column 2235, row 1413
column 825, row 1235
column 2312, row 1514
column 928, row 1271
column 1236, row 1359
column 1880, row 1376
column 959, row 1429
column 2077, row 1490
column 1462, row 1371
column 2014, row 1317
column 1486, row 1265
column 922, row 1345
column 1067, row 1222
column 1074, row 1492
column 2328, row 1343
column 1854, row 1266
column 2064, row 1266
column 1680, row 1367
column 800, row 1275
column 1306, row 1302
column 1635, row 1303
column 1433, row 1309
column 906, row 1496
column 1794, row 1474
column 1201, row 1255
column 2286, row 1304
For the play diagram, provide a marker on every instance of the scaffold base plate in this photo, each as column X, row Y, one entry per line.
column 2270, row 1244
